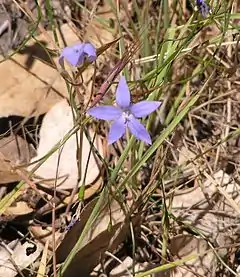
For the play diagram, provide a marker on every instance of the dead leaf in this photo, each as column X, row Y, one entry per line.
column 20, row 256
column 16, row 150
column 29, row 77
column 97, row 240
column 4, row 254
column 185, row 245
column 99, row 226
column 43, row 264
column 18, row 208
column 208, row 210
column 56, row 124
column 44, row 234
column 185, row 156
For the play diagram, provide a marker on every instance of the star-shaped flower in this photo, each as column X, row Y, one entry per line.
column 204, row 8
column 125, row 114
column 78, row 53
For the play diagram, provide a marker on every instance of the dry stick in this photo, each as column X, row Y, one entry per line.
column 76, row 187
column 221, row 190
column 53, row 235
column 23, row 176
column 112, row 76
column 54, row 218
column 79, row 151
column 229, row 102
column 30, row 183
column 104, row 87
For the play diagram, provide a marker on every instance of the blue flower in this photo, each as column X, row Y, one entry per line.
column 72, row 223
column 125, row 114
column 204, row 8
column 78, row 53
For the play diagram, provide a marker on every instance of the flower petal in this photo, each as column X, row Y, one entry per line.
column 139, row 131
column 73, row 54
column 90, row 51
column 61, row 61
column 144, row 108
column 123, row 96
column 204, row 8
column 105, row 112
column 117, row 130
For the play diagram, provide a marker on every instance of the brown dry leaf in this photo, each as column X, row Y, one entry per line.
column 97, row 240
column 44, row 235
column 19, row 255
column 43, row 264
column 19, row 208
column 185, row 155
column 16, row 150
column 184, row 158
column 185, row 245
column 100, row 225
column 63, row 163
column 30, row 85
column 208, row 210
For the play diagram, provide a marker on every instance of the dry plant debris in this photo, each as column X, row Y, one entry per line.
column 202, row 205
column 31, row 77
column 14, row 151
column 205, row 262
column 98, row 239
column 211, row 208
column 15, row 257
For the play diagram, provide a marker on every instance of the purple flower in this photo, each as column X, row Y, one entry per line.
column 204, row 8
column 125, row 114
column 72, row 223
column 78, row 53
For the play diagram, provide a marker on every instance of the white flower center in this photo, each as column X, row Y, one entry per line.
column 127, row 116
